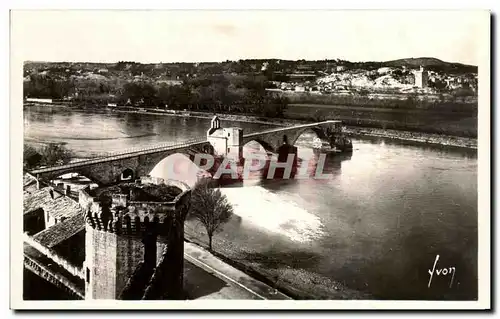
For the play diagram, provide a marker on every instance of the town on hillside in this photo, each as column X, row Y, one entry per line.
column 136, row 83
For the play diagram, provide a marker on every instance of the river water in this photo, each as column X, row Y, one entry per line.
column 375, row 226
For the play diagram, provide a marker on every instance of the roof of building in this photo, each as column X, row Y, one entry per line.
column 218, row 132
column 58, row 233
column 29, row 182
column 57, row 207
column 51, row 201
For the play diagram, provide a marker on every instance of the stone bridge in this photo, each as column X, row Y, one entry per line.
column 271, row 140
column 130, row 165
column 108, row 170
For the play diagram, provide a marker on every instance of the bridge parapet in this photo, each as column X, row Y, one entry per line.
column 122, row 155
column 332, row 124
column 109, row 170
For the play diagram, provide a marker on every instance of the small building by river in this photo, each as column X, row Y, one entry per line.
column 38, row 100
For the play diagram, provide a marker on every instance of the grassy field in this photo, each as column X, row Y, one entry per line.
column 445, row 121
column 384, row 100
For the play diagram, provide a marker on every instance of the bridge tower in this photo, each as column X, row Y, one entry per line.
column 227, row 142
column 129, row 230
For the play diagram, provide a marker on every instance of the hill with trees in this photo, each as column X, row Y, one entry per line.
column 242, row 86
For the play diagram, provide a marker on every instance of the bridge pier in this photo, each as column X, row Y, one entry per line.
column 286, row 162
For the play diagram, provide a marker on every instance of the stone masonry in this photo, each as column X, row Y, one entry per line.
column 123, row 233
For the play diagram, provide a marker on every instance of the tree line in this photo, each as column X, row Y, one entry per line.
column 217, row 93
column 48, row 155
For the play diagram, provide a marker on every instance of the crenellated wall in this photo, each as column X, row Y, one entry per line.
column 124, row 234
column 130, row 217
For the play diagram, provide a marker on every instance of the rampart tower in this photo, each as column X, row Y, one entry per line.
column 132, row 231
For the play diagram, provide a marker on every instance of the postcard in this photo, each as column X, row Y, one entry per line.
column 246, row 159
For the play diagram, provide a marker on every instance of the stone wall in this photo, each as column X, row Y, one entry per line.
column 72, row 269
column 113, row 256
column 56, row 279
column 130, row 252
column 86, row 201
column 151, row 180
column 100, row 264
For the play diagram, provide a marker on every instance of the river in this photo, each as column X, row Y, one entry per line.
column 376, row 226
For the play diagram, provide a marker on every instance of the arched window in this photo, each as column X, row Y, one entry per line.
column 127, row 175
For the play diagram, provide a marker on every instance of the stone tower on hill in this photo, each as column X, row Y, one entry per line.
column 421, row 78
column 135, row 231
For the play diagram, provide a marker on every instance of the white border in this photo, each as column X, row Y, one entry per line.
column 483, row 185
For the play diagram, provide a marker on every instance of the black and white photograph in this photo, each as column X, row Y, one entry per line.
column 196, row 158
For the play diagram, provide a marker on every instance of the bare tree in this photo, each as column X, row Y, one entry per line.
column 210, row 207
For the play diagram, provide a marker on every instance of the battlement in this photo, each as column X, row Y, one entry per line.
column 132, row 208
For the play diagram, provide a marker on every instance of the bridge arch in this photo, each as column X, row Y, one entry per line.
column 267, row 146
column 178, row 166
column 127, row 174
column 127, row 166
column 315, row 132
column 208, row 149
column 275, row 138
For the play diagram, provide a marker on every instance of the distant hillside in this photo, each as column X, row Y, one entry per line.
column 433, row 64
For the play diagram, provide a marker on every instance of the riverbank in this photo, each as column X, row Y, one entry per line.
column 416, row 137
column 300, row 284
column 402, row 135
column 423, row 138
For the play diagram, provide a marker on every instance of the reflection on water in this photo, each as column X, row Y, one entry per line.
column 376, row 225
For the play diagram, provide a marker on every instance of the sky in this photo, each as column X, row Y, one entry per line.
column 203, row 35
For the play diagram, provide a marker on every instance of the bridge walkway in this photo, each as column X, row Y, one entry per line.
column 289, row 128
column 165, row 147
column 123, row 155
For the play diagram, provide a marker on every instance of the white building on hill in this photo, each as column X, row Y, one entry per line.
column 421, row 78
